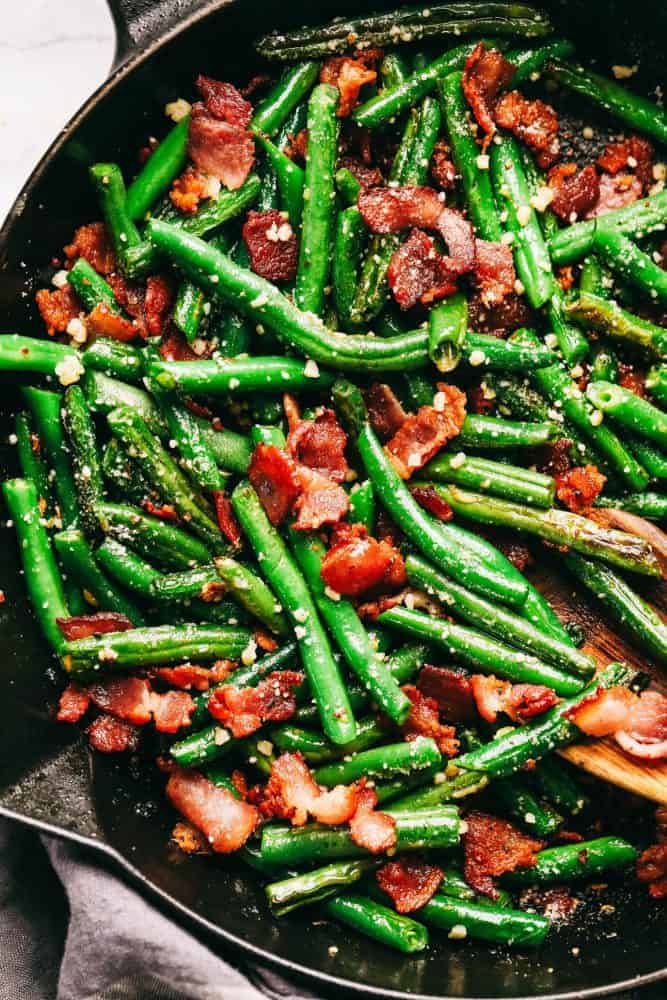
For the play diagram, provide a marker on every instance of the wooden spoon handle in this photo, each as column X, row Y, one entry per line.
column 606, row 760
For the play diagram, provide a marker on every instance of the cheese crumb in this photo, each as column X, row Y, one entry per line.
column 178, row 109
column 458, row 460
column 523, row 214
column 332, row 594
column 69, row 370
column 265, row 747
column 482, row 162
column 311, row 369
column 249, row 654
column 597, row 418
column 587, row 132
column 300, row 632
column 476, row 358
column 542, row 198
column 301, row 614
column 624, row 72
column 60, row 279
column 107, row 654
column 76, row 329
column 220, row 736
column 507, row 238
column 439, row 402
column 458, row 932
column 577, row 371
column 551, row 340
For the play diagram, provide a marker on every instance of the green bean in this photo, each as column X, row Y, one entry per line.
column 443, row 790
column 453, row 884
column 629, row 107
column 447, row 329
column 347, row 186
column 268, row 193
column 559, row 388
column 656, row 383
column 378, row 922
column 430, row 120
column 576, row 861
column 594, row 278
column 556, row 784
column 481, row 431
column 122, row 473
column 40, row 571
column 31, row 461
column 79, row 563
column 113, row 358
column 104, row 394
column 46, row 411
column 91, row 287
column 509, row 752
column 168, row 546
column 317, row 228
column 272, row 112
column 636, row 220
column 486, row 476
column 650, row 505
column 290, row 179
column 362, row 506
column 349, row 244
column 485, row 921
column 393, row 101
column 572, row 344
column 127, row 568
column 135, row 256
column 86, row 469
column 480, row 651
column 186, row 584
column 427, row 829
column 317, row 749
column 630, row 411
column 620, row 325
column 381, row 762
column 262, row 301
column 529, row 61
column 531, row 255
column 650, row 457
column 604, row 365
column 407, row 23
column 465, row 151
column 561, row 527
column 231, row 450
column 197, row 457
column 215, row 211
column 505, row 355
column 516, row 799
column 189, row 309
column 252, row 593
column 290, row 587
column 162, row 166
column 496, row 621
column 624, row 605
column 432, row 538
column 28, row 355
column 625, row 258
column 243, row 375
column 312, row 887
column 342, row 621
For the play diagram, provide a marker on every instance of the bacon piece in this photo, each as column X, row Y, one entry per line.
column 553, row 459
column 275, row 478
column 171, row 711
column 356, row 562
column 603, row 712
column 174, row 347
column 480, row 400
column 385, row 412
column 126, row 698
column 494, row 273
column 501, row 319
column 297, row 147
column 189, row 840
column 349, row 75
column 577, row 488
column 157, row 302
column 576, row 196
column 390, row 210
column 226, row 821
column 292, row 793
column 424, row 720
column 631, row 379
column 110, row 735
column 633, row 153
column 243, row 710
column 426, row 432
column 410, row 882
column 534, row 122
column 451, row 690
column 518, row 701
column 485, row 74
column 103, row 322
column 493, row 847
column 226, row 518
column 272, row 245
column 372, row 830
column 320, row 445
column 74, row 703
column 442, row 170
column 189, row 675
column 615, row 192
column 92, row 243
column 188, row 189
column 216, row 147
column 644, row 732
column 368, row 177
column 652, row 870
column 164, row 512
column 83, row 626
column 322, row 501
column 57, row 308
column 224, row 101
column 429, row 498
column 415, row 273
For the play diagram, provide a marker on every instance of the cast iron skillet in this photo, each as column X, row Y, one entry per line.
column 47, row 779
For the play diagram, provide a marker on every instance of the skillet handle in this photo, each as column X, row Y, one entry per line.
column 139, row 23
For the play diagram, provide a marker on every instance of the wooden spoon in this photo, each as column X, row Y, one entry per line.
column 604, row 759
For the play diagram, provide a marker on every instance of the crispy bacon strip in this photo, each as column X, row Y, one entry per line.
column 243, row 710
column 519, row 701
column 218, row 148
column 615, row 192
column 224, row 101
column 100, row 623
column 494, row 273
column 410, row 882
column 157, row 302
column 274, row 477
column 188, row 189
column 57, row 307
column 577, row 488
column 92, row 243
column 272, row 245
column 424, row 720
column 534, row 122
column 322, row 501
column 492, row 847
column 429, row 498
column 644, row 733
column 74, row 703
column 424, row 433
column 415, row 273
column 485, row 74
column 576, row 195
column 291, row 793
column 604, row 712
column 110, row 735
column 189, row 675
column 103, row 322
column 385, row 411
column 652, row 870
column 171, row 711
column 451, row 689
column 356, row 562
column 375, row 831
column 320, row 445
column 225, row 821
column 635, row 154
column 349, row 75
column 226, row 518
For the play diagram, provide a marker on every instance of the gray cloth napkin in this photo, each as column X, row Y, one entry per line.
column 71, row 930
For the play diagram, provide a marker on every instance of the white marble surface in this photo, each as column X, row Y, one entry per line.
column 52, row 56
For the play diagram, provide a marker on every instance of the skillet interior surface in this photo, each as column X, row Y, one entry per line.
column 46, row 775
